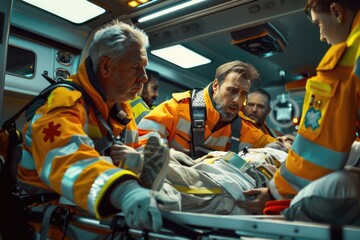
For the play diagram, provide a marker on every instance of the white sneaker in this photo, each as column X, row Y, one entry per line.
column 155, row 165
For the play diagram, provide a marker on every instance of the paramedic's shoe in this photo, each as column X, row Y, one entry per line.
column 155, row 165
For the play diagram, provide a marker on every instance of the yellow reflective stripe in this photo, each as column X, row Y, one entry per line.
column 94, row 207
column 265, row 172
column 199, row 191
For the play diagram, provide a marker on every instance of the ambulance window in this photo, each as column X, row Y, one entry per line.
column 20, row 62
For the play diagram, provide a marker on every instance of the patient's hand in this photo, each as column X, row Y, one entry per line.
column 256, row 200
column 283, row 143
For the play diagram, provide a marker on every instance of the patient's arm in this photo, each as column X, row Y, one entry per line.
column 256, row 200
column 283, row 143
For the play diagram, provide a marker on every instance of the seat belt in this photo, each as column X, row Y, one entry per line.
column 198, row 119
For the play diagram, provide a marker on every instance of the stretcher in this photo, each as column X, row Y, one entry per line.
column 183, row 225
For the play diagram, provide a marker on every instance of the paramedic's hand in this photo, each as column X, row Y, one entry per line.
column 138, row 206
column 118, row 153
column 353, row 169
column 181, row 157
column 256, row 200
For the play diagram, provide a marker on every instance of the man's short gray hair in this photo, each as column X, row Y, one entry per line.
column 113, row 40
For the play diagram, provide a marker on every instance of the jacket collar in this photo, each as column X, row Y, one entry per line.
column 92, row 77
column 89, row 82
column 335, row 52
column 212, row 115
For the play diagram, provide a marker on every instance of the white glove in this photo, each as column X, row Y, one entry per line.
column 181, row 157
column 138, row 206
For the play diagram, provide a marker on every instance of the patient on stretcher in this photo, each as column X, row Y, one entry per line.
column 216, row 181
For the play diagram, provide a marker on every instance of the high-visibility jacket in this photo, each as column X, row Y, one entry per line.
column 272, row 132
column 58, row 147
column 330, row 111
column 140, row 108
column 171, row 121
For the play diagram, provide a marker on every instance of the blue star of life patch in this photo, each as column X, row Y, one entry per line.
column 312, row 117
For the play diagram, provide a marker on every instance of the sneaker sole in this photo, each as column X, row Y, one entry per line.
column 156, row 162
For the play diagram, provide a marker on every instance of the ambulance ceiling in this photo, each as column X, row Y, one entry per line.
column 206, row 28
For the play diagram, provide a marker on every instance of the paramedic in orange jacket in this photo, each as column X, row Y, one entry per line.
column 58, row 150
column 331, row 106
column 223, row 99
column 258, row 108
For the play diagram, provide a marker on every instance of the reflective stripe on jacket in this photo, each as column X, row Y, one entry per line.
column 140, row 108
column 328, row 125
column 171, row 121
column 58, row 148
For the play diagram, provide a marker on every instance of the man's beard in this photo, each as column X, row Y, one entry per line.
column 225, row 116
column 147, row 99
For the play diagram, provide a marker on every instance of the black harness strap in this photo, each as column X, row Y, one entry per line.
column 235, row 135
column 198, row 120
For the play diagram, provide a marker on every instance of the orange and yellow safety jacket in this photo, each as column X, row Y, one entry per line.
column 171, row 120
column 272, row 132
column 330, row 111
column 140, row 108
column 58, row 148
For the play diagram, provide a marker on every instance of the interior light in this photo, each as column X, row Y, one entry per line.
column 133, row 4
column 281, row 73
column 69, row 9
column 181, row 56
column 169, row 10
column 295, row 120
column 139, row 3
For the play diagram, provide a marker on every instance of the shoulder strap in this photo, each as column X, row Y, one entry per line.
column 235, row 135
column 40, row 99
column 198, row 119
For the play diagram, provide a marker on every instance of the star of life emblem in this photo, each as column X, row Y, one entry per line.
column 312, row 117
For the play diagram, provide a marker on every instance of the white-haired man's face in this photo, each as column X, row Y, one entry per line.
column 123, row 80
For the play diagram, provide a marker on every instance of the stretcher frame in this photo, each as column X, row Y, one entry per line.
column 184, row 225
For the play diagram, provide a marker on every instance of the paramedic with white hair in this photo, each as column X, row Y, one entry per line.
column 59, row 153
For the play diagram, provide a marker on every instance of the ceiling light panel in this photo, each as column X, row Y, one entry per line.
column 69, row 9
column 181, row 56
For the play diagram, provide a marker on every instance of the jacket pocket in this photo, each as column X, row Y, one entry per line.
column 318, row 98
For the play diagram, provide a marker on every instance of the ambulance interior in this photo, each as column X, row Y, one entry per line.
column 274, row 35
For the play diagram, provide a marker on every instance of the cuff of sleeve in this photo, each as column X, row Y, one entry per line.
column 274, row 193
column 105, row 207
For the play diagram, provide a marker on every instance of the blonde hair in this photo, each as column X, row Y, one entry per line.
column 246, row 70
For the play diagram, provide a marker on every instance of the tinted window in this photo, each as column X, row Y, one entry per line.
column 20, row 62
